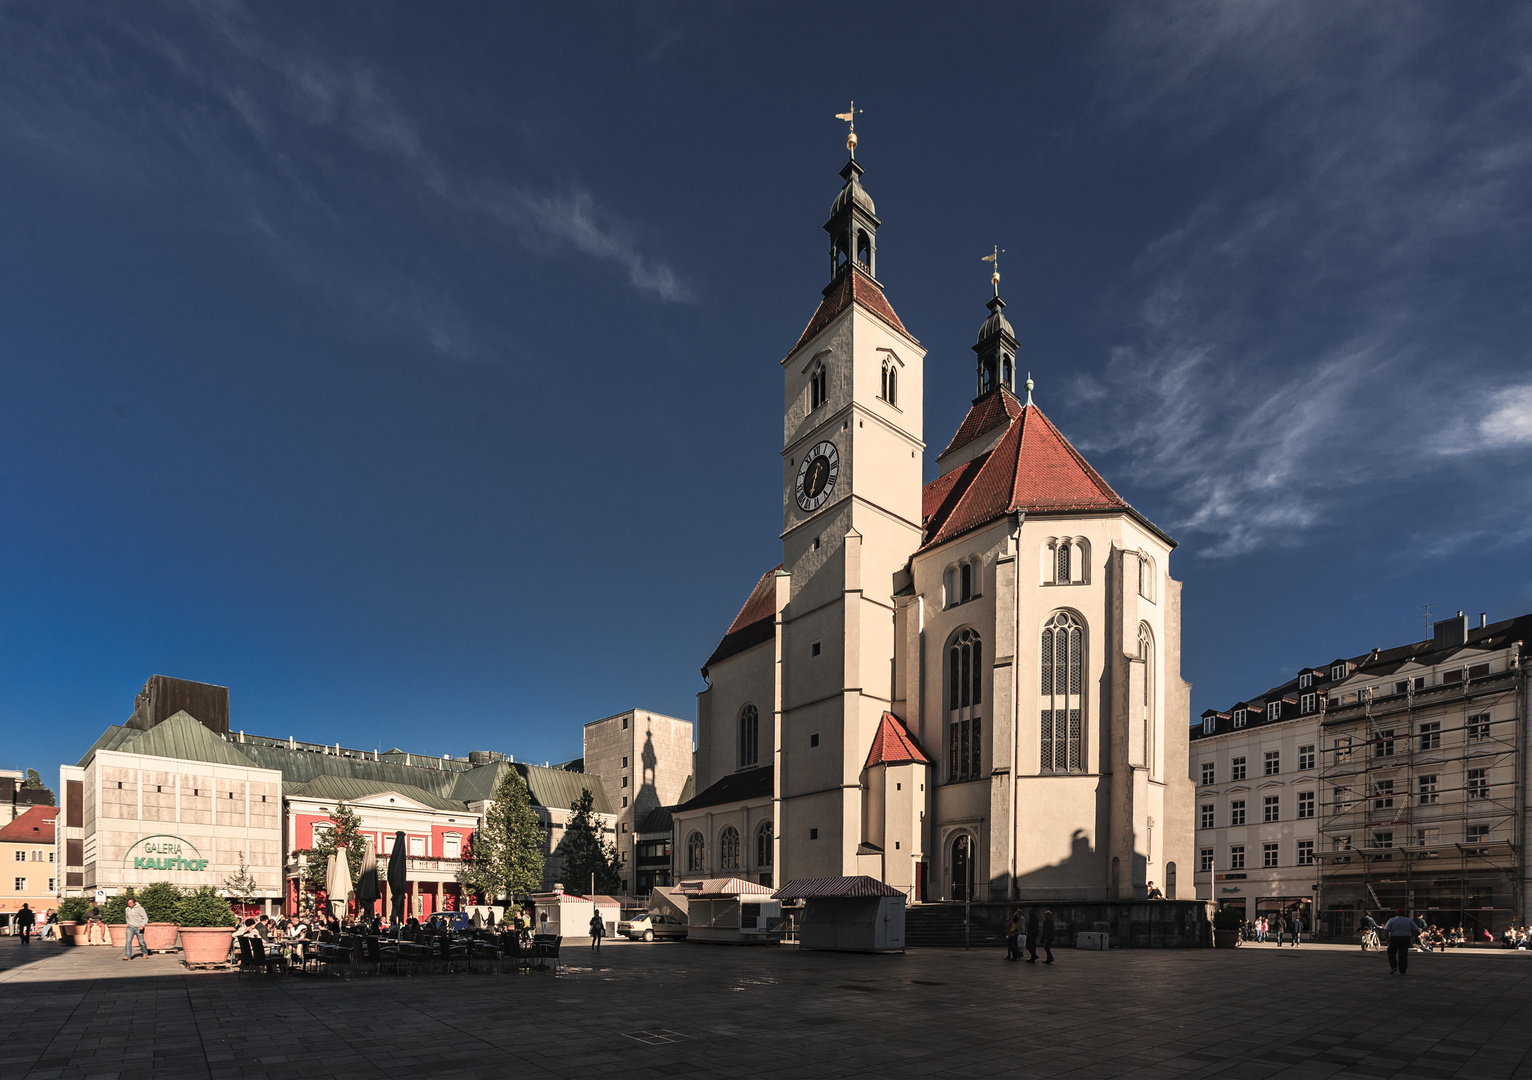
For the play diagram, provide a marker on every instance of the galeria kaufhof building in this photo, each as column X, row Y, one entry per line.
column 169, row 796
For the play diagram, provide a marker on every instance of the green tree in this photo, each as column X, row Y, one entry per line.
column 505, row 857
column 586, row 854
column 241, row 887
column 35, row 781
column 345, row 831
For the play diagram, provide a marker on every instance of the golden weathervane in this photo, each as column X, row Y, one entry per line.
column 994, row 257
column 849, row 116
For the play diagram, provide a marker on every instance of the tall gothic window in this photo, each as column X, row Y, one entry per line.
column 1061, row 574
column 763, row 844
column 817, row 385
column 965, row 693
column 728, row 849
column 1146, row 654
column 1061, row 693
column 694, row 853
column 890, row 383
column 749, row 736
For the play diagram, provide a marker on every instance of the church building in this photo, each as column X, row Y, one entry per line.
column 968, row 688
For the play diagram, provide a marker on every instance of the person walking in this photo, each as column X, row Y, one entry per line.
column 1045, row 936
column 597, row 930
column 136, row 919
column 1032, row 934
column 1012, row 932
column 1400, row 929
column 1297, row 929
column 25, row 920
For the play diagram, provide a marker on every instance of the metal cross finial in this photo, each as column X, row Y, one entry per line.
column 850, row 117
column 994, row 279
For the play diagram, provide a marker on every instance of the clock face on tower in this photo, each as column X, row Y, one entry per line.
column 816, row 476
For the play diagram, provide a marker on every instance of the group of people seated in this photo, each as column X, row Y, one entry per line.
column 1516, row 937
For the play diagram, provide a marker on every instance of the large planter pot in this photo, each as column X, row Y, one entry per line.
column 1225, row 939
column 119, row 932
column 160, row 936
column 69, row 933
column 206, row 944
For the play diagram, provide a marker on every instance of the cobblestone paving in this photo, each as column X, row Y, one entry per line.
column 701, row 1011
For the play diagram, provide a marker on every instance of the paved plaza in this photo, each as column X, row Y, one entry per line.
column 698, row 1011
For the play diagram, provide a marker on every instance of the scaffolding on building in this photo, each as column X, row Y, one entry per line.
column 1421, row 800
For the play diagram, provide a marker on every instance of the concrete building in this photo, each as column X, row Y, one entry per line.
column 644, row 762
column 1010, row 628
column 1379, row 781
column 28, row 863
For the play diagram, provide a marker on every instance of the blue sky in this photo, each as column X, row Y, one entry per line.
column 412, row 370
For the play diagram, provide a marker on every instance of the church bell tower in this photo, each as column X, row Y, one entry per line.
column 851, row 511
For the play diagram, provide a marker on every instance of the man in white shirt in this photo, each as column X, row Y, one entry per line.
column 1400, row 929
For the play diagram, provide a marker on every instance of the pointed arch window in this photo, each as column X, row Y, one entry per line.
column 1062, row 694
column 694, row 853
column 763, row 836
column 749, row 736
column 965, row 695
column 890, row 382
column 1146, row 696
column 728, row 848
column 818, row 384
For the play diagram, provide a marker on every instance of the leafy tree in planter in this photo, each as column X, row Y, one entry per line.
column 203, row 906
column 159, row 901
column 585, row 853
column 505, row 856
column 345, row 831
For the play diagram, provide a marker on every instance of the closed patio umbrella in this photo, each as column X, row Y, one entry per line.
column 338, row 883
column 396, row 882
column 367, row 884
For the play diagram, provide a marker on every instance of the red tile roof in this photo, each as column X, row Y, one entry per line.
column 1033, row 468
column 33, row 827
column 756, row 621
column 853, row 286
column 893, row 744
column 988, row 413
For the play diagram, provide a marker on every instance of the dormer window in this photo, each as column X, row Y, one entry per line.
column 1207, row 727
column 1308, row 703
column 1274, row 710
column 1305, row 681
column 1240, row 716
column 1338, row 671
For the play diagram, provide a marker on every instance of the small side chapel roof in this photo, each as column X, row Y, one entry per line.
column 893, row 744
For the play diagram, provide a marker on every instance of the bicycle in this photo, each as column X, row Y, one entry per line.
column 1370, row 940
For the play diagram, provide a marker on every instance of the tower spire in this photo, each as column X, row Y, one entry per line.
column 996, row 347
column 853, row 224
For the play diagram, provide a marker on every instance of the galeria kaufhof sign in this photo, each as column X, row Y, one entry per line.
column 164, row 853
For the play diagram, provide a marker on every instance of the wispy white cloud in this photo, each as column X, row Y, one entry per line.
column 314, row 154
column 1299, row 345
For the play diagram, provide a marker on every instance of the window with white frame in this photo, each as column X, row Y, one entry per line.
column 1338, row 671
column 1207, row 772
column 1236, row 769
column 1237, row 812
column 21, row 884
column 1205, row 859
column 1340, row 843
column 1239, row 717
column 1431, row 735
column 418, row 845
column 1273, row 762
column 1272, row 809
column 1207, row 725
column 1305, row 853
column 1478, row 784
column 1305, row 680
column 1305, row 804
column 1429, row 837
column 1236, row 856
column 1305, row 757
column 1206, row 816
column 1268, row 855
column 1274, row 710
column 452, row 845
column 1308, row 703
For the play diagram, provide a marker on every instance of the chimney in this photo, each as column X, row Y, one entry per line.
column 1483, row 619
column 1449, row 633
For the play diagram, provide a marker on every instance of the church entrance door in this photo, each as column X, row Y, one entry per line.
column 962, row 867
